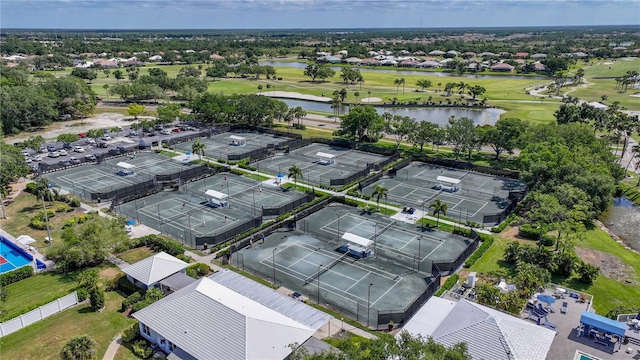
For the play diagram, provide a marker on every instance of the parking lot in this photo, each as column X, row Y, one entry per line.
column 88, row 150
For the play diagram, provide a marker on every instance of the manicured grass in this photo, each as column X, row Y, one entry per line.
column 27, row 294
column 538, row 112
column 125, row 353
column 134, row 255
column 618, row 68
column 45, row 339
column 20, row 212
column 256, row 177
column 491, row 262
column 607, row 87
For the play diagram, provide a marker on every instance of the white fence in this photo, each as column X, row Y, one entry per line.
column 38, row 314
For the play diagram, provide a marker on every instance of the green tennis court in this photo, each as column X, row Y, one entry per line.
column 220, row 146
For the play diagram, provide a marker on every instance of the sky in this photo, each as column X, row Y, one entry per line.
column 312, row 14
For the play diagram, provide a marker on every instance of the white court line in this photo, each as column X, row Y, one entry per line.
column 458, row 203
column 385, row 293
column 407, row 243
column 302, row 259
column 432, row 251
column 485, row 204
column 331, row 270
column 356, row 283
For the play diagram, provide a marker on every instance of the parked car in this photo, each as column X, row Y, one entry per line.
column 36, row 158
column 67, row 146
column 51, row 148
column 25, row 152
column 54, row 154
column 133, row 133
column 65, row 162
column 90, row 141
column 103, row 145
column 74, row 160
column 151, row 134
column 114, row 151
column 159, row 127
column 105, row 138
column 90, row 157
column 42, row 150
column 78, row 149
column 62, row 152
column 27, row 159
column 82, row 135
column 177, row 130
column 165, row 132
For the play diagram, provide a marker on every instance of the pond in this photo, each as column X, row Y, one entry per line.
column 436, row 115
column 623, row 219
column 302, row 65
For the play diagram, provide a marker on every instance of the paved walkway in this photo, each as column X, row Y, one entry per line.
column 113, row 348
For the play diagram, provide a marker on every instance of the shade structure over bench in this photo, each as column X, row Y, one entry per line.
column 326, row 158
column 237, row 140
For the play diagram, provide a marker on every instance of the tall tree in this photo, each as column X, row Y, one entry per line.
column 397, row 83
column 379, row 192
column 401, row 127
column 295, row 172
column 362, row 123
column 198, row 148
column 423, row 83
column 439, row 208
column 135, row 110
column 503, row 136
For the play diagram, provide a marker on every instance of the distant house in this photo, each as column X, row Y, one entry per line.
column 487, row 54
column 106, row 64
column 133, row 63
column 469, row 54
column 539, row 67
column 420, row 53
column 598, row 105
column 227, row 316
column 155, row 58
column 436, row 53
column 85, row 64
column 504, row 67
column 388, row 62
column 453, row 52
column 149, row 272
column 332, row 59
column 539, row 56
column 369, row 62
column 343, row 52
column 215, row 57
column 521, row 55
column 488, row 333
column 580, row 55
column 619, row 48
column 429, row 64
column 354, row 61
column 409, row 63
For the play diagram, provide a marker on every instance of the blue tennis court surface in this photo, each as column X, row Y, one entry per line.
column 10, row 259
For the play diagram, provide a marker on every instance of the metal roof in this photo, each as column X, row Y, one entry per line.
column 488, row 333
column 153, row 269
column 356, row 239
column 177, row 281
column 325, row 155
column 448, row 179
column 206, row 318
column 603, row 323
column 272, row 299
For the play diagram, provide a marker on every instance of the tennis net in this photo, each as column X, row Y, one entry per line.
column 164, row 220
column 385, row 228
column 325, row 269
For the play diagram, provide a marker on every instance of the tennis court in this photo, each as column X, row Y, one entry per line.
column 93, row 181
column 344, row 165
column 150, row 163
column 221, row 146
column 247, row 195
column 480, row 198
column 187, row 219
column 306, row 260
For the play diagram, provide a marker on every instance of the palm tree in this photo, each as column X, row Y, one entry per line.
column 295, row 172
column 198, row 148
column 378, row 193
column 397, row 83
column 439, row 85
column 635, row 154
column 356, row 94
column 439, row 208
column 603, row 98
column 88, row 279
column 259, row 89
column 299, row 113
column 79, row 348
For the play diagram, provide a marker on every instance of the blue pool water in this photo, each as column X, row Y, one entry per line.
column 14, row 259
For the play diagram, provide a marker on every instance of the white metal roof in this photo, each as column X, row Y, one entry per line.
column 236, row 137
column 325, row 155
column 125, row 165
column 216, row 194
column 598, row 105
column 153, row 269
column 206, row 318
column 489, row 334
column 448, row 180
column 364, row 242
column 25, row 240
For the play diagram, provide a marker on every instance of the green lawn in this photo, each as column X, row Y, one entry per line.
column 608, row 293
column 26, row 206
column 134, row 255
column 45, row 339
column 28, row 294
column 617, row 68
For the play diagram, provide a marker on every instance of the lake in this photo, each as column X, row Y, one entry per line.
column 623, row 219
column 302, row 65
column 436, row 115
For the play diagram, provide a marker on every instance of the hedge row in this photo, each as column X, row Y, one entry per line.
column 452, row 280
column 486, row 244
column 16, row 275
column 198, row 270
column 157, row 244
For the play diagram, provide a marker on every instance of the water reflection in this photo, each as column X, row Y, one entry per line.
column 623, row 219
column 435, row 115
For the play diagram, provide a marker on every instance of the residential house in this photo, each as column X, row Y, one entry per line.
column 420, row 53
column 469, row 54
column 228, row 316
column 437, row 53
column 539, row 67
column 521, row 55
column 409, row 63
column 487, row 54
column 369, row 62
column 453, row 52
column 353, row 61
column 429, row 64
column 149, row 272
column 488, row 333
column 504, row 67
column 155, row 58
column 539, row 56
column 216, row 57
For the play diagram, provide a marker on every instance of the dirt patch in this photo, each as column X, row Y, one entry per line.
column 109, row 273
column 610, row 266
column 511, row 233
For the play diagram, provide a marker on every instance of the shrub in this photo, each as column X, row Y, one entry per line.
column 158, row 244
column 451, row 281
column 131, row 300
column 16, row 275
column 74, row 202
column 486, row 244
column 548, row 240
column 587, row 273
column 96, row 297
column 123, row 284
column 142, row 349
column 30, row 187
column 70, row 222
column 131, row 334
column 198, row 270
column 185, row 258
column 37, row 224
column 529, row 232
column 82, row 294
column 63, row 208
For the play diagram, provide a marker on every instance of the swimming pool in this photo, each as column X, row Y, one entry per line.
column 583, row 356
column 10, row 259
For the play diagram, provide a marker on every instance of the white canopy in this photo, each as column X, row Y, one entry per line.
column 235, row 137
column 364, row 242
column 448, row 180
column 325, row 155
column 25, row 240
column 125, row 165
column 216, row 194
